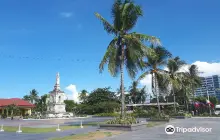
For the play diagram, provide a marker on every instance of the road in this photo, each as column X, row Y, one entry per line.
column 154, row 133
column 158, row 132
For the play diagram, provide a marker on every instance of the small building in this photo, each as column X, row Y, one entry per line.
column 24, row 106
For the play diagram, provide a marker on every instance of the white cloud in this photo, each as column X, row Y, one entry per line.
column 147, row 82
column 66, row 14
column 207, row 69
column 74, row 93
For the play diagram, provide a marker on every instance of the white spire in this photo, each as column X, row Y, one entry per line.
column 57, row 85
column 58, row 79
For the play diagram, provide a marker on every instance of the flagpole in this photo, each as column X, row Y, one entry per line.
column 210, row 113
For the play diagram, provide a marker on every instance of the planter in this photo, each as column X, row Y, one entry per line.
column 158, row 120
column 179, row 117
column 121, row 127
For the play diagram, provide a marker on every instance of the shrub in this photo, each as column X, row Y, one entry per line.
column 107, row 115
column 204, row 114
column 144, row 113
column 126, row 121
column 188, row 115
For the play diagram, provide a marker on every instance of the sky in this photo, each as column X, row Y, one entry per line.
column 39, row 38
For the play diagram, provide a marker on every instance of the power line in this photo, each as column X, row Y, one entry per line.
column 46, row 58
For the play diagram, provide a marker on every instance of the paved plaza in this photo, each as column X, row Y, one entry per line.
column 154, row 133
column 158, row 132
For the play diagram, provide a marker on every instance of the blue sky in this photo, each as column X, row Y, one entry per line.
column 39, row 38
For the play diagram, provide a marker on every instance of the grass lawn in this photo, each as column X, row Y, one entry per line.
column 152, row 124
column 37, row 130
column 90, row 136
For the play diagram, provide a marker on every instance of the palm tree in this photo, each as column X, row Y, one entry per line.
column 42, row 104
column 174, row 75
column 186, row 89
column 155, row 60
column 33, row 96
column 26, row 97
column 134, row 91
column 127, row 47
column 194, row 79
column 143, row 94
column 83, row 95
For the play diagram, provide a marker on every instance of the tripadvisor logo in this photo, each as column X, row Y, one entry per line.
column 170, row 129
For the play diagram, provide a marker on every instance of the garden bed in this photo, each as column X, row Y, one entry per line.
column 158, row 120
column 123, row 127
column 180, row 117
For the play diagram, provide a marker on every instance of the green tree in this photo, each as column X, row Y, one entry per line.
column 13, row 109
column 193, row 79
column 137, row 95
column 134, row 92
column 101, row 95
column 155, row 60
column 27, row 98
column 83, row 96
column 175, row 76
column 70, row 104
column 41, row 104
column 127, row 47
column 33, row 96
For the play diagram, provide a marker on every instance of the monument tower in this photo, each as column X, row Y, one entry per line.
column 56, row 99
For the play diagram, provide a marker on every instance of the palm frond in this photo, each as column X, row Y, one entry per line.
column 143, row 75
column 107, row 26
column 130, row 15
column 147, row 38
column 108, row 55
column 116, row 14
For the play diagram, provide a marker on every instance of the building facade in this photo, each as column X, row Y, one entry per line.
column 24, row 106
column 210, row 86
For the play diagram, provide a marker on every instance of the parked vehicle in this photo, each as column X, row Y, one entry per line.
column 217, row 109
column 66, row 115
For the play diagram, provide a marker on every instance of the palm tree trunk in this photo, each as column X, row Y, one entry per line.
column 155, row 89
column 193, row 96
column 122, row 84
column 174, row 99
column 187, row 107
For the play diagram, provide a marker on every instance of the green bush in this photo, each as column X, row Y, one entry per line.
column 188, row 115
column 126, row 121
column 107, row 115
column 160, row 117
column 204, row 114
column 177, row 114
column 144, row 113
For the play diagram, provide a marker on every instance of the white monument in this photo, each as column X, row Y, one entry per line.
column 56, row 103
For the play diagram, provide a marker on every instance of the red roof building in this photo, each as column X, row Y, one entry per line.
column 24, row 106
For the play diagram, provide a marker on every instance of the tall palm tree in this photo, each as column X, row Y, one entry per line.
column 127, row 47
column 26, row 97
column 134, row 91
column 83, row 95
column 194, row 79
column 155, row 60
column 174, row 75
column 33, row 96
column 186, row 87
column 143, row 94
